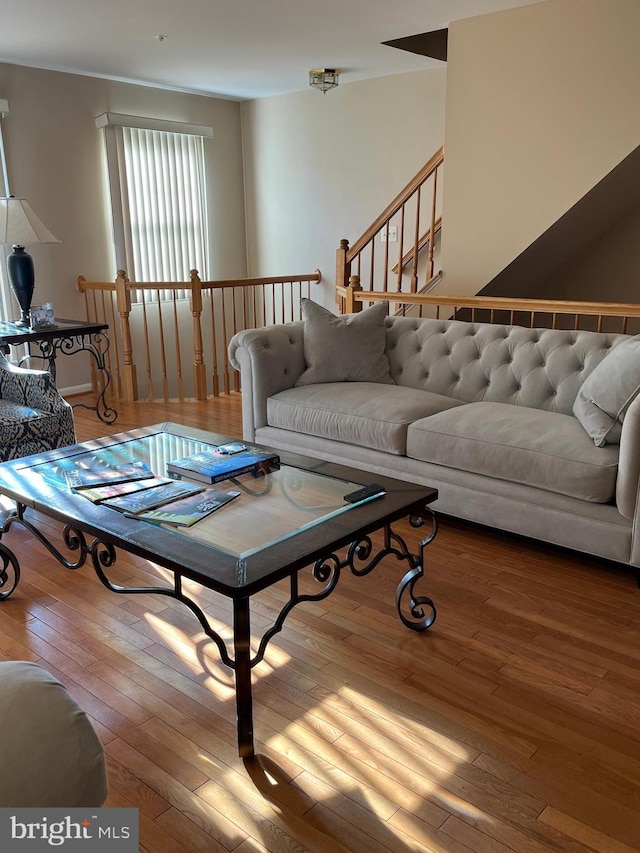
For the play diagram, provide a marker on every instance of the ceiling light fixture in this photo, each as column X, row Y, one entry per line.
column 323, row 79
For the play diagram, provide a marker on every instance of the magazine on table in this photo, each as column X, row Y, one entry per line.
column 224, row 463
column 88, row 470
column 97, row 494
column 185, row 512
column 147, row 499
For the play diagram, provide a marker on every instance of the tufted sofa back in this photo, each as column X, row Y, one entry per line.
column 476, row 362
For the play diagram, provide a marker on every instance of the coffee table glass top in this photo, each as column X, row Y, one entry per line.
column 288, row 518
column 270, row 508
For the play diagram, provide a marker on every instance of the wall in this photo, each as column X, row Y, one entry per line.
column 541, row 105
column 55, row 159
column 321, row 167
column 609, row 269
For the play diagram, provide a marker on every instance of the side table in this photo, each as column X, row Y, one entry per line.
column 67, row 337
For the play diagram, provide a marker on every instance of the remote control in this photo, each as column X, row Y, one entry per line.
column 372, row 491
column 231, row 448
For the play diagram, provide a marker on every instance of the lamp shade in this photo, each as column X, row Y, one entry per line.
column 19, row 224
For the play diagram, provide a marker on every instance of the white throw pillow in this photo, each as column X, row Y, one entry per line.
column 344, row 348
column 607, row 393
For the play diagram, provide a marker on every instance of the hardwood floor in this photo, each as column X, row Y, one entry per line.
column 512, row 725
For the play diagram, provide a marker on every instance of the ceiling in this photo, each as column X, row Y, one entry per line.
column 240, row 49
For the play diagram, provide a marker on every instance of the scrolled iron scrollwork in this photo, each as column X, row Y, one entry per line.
column 327, row 571
column 421, row 619
column 358, row 557
column 421, row 609
column 9, row 572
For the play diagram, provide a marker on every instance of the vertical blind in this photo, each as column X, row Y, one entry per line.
column 164, row 206
column 157, row 185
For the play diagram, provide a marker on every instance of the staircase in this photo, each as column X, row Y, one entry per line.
column 397, row 254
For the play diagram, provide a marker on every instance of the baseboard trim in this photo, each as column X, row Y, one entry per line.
column 75, row 389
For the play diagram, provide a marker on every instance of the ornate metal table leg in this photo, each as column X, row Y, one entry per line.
column 97, row 345
column 420, row 619
column 244, row 701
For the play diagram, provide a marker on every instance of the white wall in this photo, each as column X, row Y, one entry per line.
column 321, row 167
column 542, row 103
column 55, row 158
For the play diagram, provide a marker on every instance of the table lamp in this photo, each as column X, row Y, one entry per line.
column 19, row 226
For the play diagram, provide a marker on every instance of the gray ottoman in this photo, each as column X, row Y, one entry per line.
column 50, row 754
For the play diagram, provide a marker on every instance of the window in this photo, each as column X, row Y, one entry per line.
column 158, row 197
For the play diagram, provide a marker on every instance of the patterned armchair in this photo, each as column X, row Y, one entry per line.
column 33, row 415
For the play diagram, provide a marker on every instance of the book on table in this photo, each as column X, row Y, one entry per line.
column 212, row 466
column 185, row 512
column 146, row 499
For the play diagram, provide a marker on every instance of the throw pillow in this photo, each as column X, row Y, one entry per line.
column 607, row 393
column 344, row 348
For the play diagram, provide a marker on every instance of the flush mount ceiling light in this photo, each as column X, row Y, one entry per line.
column 323, row 79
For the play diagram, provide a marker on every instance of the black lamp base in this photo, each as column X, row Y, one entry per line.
column 21, row 278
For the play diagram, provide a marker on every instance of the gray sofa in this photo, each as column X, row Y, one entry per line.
column 497, row 418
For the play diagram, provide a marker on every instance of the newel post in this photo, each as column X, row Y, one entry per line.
column 353, row 305
column 123, row 302
column 199, row 368
column 343, row 267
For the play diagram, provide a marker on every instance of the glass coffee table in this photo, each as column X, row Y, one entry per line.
column 290, row 519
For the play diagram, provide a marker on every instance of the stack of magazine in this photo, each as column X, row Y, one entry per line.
column 133, row 489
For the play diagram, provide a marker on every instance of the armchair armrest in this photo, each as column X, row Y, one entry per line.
column 29, row 387
column 269, row 360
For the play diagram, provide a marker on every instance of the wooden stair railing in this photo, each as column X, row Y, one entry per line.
column 158, row 327
column 615, row 317
column 425, row 240
column 379, row 272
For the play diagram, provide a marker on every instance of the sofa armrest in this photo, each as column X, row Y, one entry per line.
column 628, row 481
column 269, row 360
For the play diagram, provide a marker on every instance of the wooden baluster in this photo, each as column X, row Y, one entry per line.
column 213, row 294
column 372, row 264
column 147, row 347
column 225, row 337
column 343, row 266
column 385, row 272
column 432, row 228
column 416, row 240
column 177, row 348
column 400, row 252
column 123, row 300
column 163, row 349
column 115, row 387
column 199, row 367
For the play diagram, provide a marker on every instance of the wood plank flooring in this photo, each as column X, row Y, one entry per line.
column 512, row 725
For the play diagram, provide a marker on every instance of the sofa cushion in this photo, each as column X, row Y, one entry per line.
column 362, row 413
column 534, row 447
column 346, row 348
column 607, row 393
